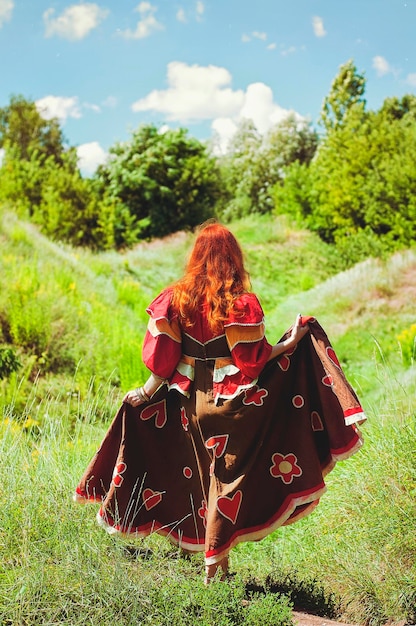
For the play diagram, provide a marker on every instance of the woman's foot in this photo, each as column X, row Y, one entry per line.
column 211, row 570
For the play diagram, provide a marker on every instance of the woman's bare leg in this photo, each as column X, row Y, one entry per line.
column 211, row 570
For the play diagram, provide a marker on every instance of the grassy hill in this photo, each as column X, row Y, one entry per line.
column 76, row 320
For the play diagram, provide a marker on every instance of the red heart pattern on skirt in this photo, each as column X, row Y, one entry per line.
column 151, row 498
column 316, row 421
column 327, row 380
column 229, row 506
column 218, row 443
column 158, row 411
column 331, row 354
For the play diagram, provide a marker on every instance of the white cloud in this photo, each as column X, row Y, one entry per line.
column 194, row 93
column 198, row 93
column 6, row 10
column 261, row 36
column 181, row 15
column 381, row 66
column 90, row 156
column 92, row 107
column 411, row 80
column 200, row 10
column 271, row 46
column 111, row 102
column 286, row 51
column 318, row 26
column 75, row 22
column 146, row 26
column 259, row 107
column 254, row 35
column 60, row 107
column 224, row 129
column 198, row 15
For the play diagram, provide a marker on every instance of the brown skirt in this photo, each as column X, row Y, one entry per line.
column 210, row 476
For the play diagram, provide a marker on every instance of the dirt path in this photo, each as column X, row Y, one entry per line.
column 302, row 619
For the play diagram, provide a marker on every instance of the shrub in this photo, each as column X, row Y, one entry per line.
column 9, row 362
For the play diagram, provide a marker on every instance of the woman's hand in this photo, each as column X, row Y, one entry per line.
column 136, row 397
column 298, row 331
column 143, row 394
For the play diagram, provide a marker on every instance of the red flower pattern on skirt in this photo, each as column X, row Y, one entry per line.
column 285, row 467
column 255, row 395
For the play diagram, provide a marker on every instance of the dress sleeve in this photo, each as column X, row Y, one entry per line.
column 162, row 345
column 244, row 330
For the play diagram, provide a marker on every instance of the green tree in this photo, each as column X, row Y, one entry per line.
column 23, row 129
column 21, row 180
column 347, row 90
column 255, row 163
column 395, row 108
column 363, row 185
column 390, row 206
column 337, row 177
column 359, row 189
column 69, row 209
column 292, row 140
column 242, row 173
column 28, row 141
column 40, row 180
column 292, row 194
column 166, row 182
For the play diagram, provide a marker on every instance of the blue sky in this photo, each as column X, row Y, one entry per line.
column 105, row 67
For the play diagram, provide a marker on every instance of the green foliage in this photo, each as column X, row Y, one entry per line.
column 359, row 190
column 244, row 174
column 266, row 609
column 23, row 129
column 41, row 180
column 166, row 182
column 69, row 209
column 364, row 179
column 291, row 195
column 396, row 108
column 21, row 181
column 59, row 320
column 57, row 198
column 305, row 592
column 290, row 141
column 347, row 90
column 254, row 164
column 9, row 362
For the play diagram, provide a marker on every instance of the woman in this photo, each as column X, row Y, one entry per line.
column 230, row 436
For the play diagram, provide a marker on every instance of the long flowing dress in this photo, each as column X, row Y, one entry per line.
column 232, row 445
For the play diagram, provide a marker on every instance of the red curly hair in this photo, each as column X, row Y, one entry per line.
column 215, row 274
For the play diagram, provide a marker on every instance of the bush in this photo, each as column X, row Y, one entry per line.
column 9, row 362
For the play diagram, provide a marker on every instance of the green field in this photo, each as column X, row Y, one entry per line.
column 75, row 321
